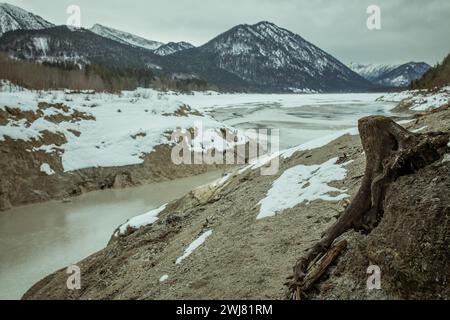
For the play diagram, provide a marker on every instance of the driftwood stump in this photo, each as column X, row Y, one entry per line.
column 391, row 151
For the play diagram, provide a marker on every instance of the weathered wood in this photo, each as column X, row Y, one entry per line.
column 318, row 269
column 391, row 151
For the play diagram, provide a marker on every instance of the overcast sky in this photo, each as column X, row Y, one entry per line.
column 411, row 30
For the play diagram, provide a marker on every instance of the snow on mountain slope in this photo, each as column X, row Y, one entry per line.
column 391, row 75
column 270, row 58
column 371, row 71
column 172, row 47
column 15, row 18
column 403, row 74
column 125, row 37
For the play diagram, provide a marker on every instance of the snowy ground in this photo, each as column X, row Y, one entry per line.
column 115, row 130
column 420, row 100
column 194, row 245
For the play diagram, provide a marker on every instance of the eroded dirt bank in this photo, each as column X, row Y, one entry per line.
column 23, row 182
column 34, row 138
column 246, row 258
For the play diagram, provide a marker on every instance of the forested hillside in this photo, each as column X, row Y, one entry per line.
column 437, row 76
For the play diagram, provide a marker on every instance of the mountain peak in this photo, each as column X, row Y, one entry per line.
column 265, row 24
column 15, row 18
column 173, row 47
column 263, row 30
column 267, row 56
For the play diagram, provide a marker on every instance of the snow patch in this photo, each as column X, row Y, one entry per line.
column 420, row 129
column 310, row 145
column 447, row 155
column 163, row 278
column 45, row 167
column 303, row 184
column 194, row 245
column 142, row 220
column 41, row 43
column 219, row 182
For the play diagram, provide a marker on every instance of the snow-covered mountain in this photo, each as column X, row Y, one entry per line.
column 125, row 37
column 172, row 47
column 371, row 71
column 404, row 74
column 266, row 57
column 391, row 75
column 15, row 18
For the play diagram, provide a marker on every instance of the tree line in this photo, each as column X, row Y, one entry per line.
column 62, row 75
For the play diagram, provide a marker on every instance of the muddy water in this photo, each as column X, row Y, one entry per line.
column 39, row 239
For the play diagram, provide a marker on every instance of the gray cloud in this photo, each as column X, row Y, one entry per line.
column 412, row 30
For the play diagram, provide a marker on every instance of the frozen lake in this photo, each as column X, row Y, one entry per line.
column 300, row 118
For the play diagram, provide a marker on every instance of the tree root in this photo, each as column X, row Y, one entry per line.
column 391, row 151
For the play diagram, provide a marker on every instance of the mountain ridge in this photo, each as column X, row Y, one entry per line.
column 395, row 75
column 125, row 37
column 15, row 18
column 262, row 57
